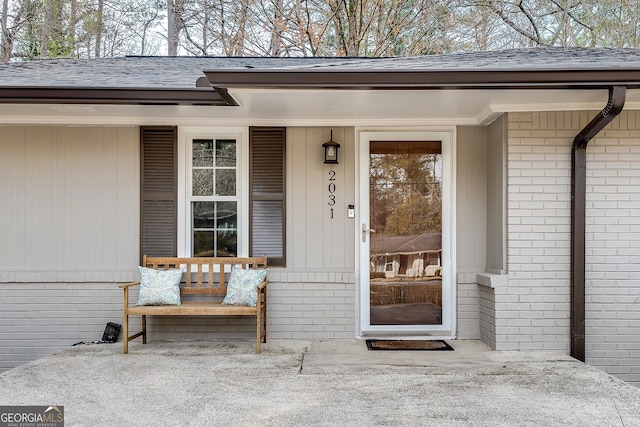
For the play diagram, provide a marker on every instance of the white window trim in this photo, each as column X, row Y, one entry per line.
column 187, row 134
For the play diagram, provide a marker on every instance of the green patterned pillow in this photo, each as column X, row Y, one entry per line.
column 159, row 287
column 242, row 288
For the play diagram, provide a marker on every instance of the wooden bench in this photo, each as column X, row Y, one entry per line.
column 197, row 281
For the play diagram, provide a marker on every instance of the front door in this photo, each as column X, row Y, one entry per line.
column 405, row 261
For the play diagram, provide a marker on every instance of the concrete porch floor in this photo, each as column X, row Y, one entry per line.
column 322, row 382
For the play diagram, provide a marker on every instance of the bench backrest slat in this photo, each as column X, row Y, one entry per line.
column 210, row 273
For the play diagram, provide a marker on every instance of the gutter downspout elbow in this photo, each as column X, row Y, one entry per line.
column 615, row 104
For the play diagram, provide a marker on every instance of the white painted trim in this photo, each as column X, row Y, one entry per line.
column 239, row 116
column 581, row 106
column 448, row 137
column 487, row 116
column 122, row 121
column 240, row 134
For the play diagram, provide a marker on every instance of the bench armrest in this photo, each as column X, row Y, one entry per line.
column 128, row 285
column 263, row 284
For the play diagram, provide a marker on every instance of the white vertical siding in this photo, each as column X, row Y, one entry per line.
column 10, row 162
column 471, row 198
column 471, row 208
column 70, row 202
column 496, row 203
column 316, row 242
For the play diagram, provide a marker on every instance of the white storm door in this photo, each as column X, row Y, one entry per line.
column 406, row 235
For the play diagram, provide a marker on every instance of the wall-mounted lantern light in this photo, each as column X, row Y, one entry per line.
column 331, row 151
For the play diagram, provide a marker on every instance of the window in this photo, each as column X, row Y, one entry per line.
column 213, row 196
column 212, row 182
column 213, row 191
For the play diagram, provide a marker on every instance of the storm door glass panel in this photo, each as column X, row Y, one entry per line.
column 214, row 204
column 406, row 248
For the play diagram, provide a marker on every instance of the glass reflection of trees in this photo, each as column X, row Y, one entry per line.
column 406, row 192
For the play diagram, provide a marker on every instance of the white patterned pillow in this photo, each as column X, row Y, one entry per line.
column 159, row 287
column 242, row 288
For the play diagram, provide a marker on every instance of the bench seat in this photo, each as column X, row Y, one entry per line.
column 193, row 308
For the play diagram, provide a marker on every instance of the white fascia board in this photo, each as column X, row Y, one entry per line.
column 222, row 121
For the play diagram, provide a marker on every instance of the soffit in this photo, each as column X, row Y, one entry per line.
column 325, row 107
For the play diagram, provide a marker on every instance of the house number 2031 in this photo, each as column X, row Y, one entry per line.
column 332, row 192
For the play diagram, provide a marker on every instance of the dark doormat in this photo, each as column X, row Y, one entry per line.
column 423, row 345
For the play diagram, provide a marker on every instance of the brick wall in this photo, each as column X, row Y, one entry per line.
column 613, row 249
column 487, row 323
column 538, row 239
column 468, row 307
column 38, row 319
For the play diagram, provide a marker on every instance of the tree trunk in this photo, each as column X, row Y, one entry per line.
column 173, row 26
column 238, row 48
column 275, row 46
column 46, row 30
column 7, row 41
column 73, row 21
column 99, row 29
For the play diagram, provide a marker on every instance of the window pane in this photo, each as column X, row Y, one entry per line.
column 202, row 182
column 203, row 152
column 225, row 152
column 227, row 215
column 203, row 242
column 227, row 243
column 225, row 182
column 215, row 228
column 204, row 214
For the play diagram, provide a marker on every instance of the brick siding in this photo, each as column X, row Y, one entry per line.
column 535, row 309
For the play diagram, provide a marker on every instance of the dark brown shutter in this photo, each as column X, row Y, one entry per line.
column 267, row 194
column 158, row 166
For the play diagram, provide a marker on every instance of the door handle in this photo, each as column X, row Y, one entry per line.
column 366, row 230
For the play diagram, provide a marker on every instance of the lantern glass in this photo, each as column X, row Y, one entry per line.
column 331, row 152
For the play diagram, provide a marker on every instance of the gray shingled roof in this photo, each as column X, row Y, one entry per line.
column 158, row 72
column 182, row 72
column 538, row 58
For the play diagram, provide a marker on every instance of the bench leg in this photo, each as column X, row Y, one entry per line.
column 264, row 318
column 125, row 338
column 125, row 322
column 144, row 329
column 258, row 340
column 259, row 327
